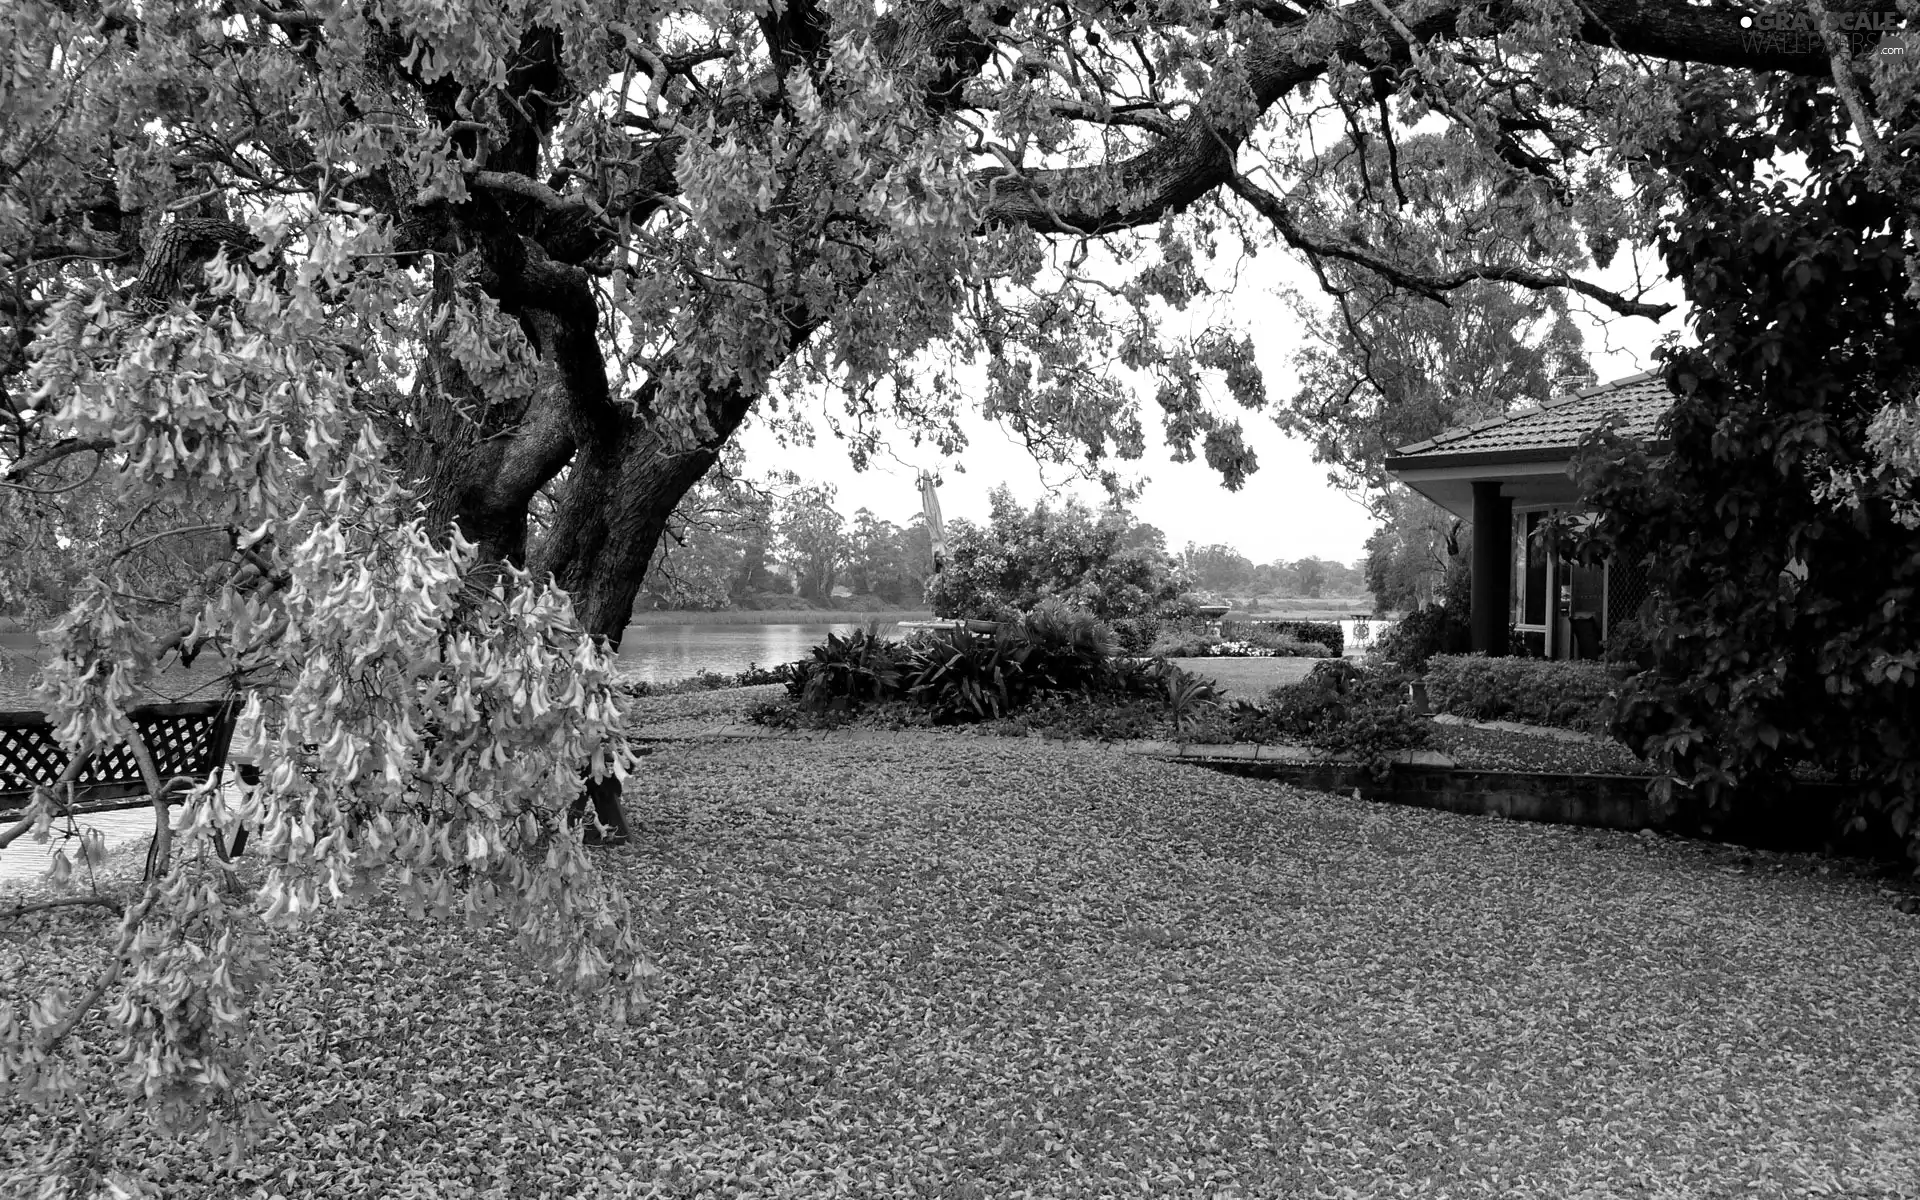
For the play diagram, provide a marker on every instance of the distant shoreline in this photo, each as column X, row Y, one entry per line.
column 778, row 616
column 1295, row 610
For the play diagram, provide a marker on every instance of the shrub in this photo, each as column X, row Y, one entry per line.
column 1133, row 677
column 958, row 675
column 1338, row 709
column 1070, row 648
column 1574, row 695
column 1208, row 645
column 1439, row 628
column 1423, row 633
column 843, row 672
column 1627, row 642
column 1188, row 695
column 965, row 676
column 1133, row 635
column 707, row 681
column 1067, row 552
column 1324, row 633
column 776, row 714
column 1183, row 644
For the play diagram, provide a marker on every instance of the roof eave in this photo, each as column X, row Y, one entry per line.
column 1493, row 459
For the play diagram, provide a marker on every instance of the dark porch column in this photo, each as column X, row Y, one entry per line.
column 1492, row 567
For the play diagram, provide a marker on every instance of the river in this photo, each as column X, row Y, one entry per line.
column 664, row 653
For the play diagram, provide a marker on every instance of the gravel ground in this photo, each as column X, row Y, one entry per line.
column 991, row 968
column 691, row 713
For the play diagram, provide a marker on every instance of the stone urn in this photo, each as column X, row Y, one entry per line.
column 1211, row 614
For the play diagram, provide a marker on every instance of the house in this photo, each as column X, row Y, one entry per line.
column 1506, row 475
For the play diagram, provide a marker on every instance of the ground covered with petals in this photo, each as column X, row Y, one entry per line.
column 971, row 967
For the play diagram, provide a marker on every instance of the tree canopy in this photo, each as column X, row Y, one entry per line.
column 1383, row 366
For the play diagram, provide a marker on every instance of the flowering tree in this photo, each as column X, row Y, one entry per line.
column 308, row 310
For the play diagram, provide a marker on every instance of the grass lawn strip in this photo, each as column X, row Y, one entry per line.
column 987, row 967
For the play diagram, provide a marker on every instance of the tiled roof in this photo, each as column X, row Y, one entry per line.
column 1550, row 430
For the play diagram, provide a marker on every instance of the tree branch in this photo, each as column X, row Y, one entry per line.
column 21, row 910
column 1879, row 163
column 57, row 451
column 1434, row 287
column 1198, row 156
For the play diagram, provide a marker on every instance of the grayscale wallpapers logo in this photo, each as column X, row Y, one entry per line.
column 1795, row 33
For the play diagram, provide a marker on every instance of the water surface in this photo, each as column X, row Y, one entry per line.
column 664, row 653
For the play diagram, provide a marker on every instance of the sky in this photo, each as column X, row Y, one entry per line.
column 1286, row 511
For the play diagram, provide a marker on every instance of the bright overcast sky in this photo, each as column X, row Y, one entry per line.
column 1287, row 510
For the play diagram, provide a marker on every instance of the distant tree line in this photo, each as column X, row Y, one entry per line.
column 1224, row 571
column 777, row 542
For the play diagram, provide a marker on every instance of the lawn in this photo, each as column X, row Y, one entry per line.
column 976, row 967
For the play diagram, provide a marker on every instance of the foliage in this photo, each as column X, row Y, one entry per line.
column 717, row 543
column 1244, row 644
column 1071, row 649
column 1099, row 717
column 1133, row 635
column 1628, row 642
column 813, row 540
column 1188, row 695
column 889, row 561
column 1510, row 750
column 1411, row 554
column 1218, row 568
column 1066, row 553
column 1326, row 633
column 1438, row 628
column 1788, row 629
column 424, row 721
column 1573, row 695
column 1390, row 367
column 775, row 714
column 959, row 675
column 708, row 681
column 334, row 279
column 845, row 671
column 1340, row 710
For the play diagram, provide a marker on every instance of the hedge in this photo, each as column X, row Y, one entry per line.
column 1574, row 695
column 1327, row 633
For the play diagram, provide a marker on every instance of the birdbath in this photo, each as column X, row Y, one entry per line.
column 1212, row 613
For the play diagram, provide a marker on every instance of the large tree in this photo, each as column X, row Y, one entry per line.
column 813, row 540
column 588, row 238
column 292, row 292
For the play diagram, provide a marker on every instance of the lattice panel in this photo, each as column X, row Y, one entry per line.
column 1628, row 590
column 185, row 740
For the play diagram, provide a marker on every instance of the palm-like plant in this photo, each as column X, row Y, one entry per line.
column 1188, row 695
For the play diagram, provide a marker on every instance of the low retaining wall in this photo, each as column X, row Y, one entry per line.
column 1803, row 823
